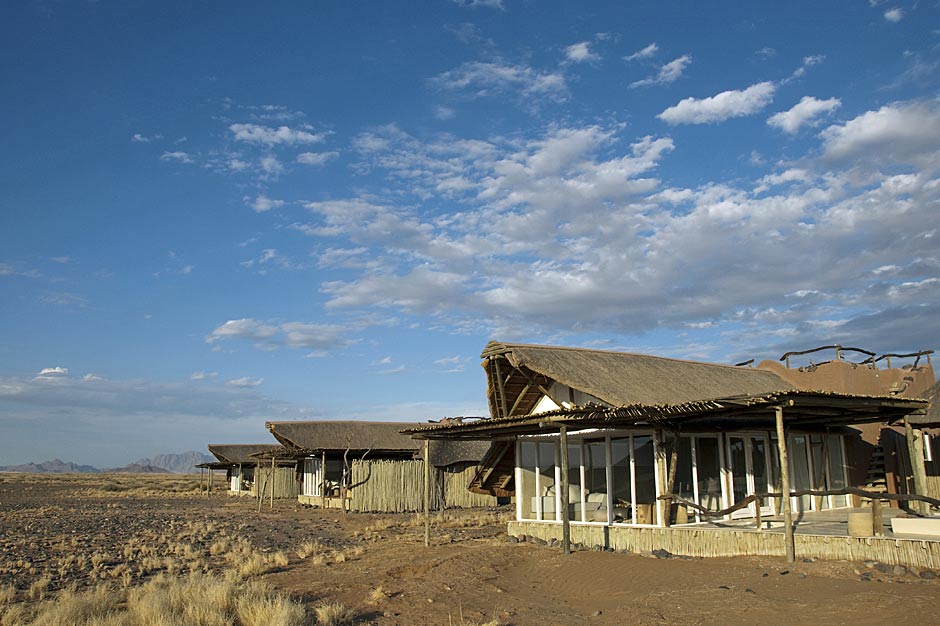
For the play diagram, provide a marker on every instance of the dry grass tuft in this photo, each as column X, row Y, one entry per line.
column 378, row 595
column 334, row 614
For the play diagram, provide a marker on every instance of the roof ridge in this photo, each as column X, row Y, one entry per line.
column 601, row 351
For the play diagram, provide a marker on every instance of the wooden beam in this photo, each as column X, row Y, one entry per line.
column 519, row 398
column 323, row 479
column 563, row 492
column 502, row 391
column 272, row 483
column 915, row 449
column 427, row 493
column 785, row 486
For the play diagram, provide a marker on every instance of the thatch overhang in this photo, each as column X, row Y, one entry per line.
column 931, row 417
column 801, row 409
column 518, row 375
column 235, row 454
column 213, row 466
column 316, row 437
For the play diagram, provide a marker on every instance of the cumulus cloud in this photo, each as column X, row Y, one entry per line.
column 668, row 73
column 720, row 107
column 473, row 4
column 894, row 15
column 54, row 371
column 262, row 203
column 906, row 131
column 266, row 336
column 643, row 53
column 270, row 136
column 806, row 111
column 177, row 156
column 477, row 79
column 244, row 382
column 316, row 158
column 580, row 53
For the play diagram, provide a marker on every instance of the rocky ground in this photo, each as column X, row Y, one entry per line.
column 60, row 531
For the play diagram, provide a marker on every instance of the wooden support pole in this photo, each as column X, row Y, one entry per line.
column 659, row 459
column 427, row 492
column 785, row 487
column 915, row 450
column 239, row 484
column 323, row 480
column 563, row 492
column 877, row 520
column 671, row 482
column 272, row 483
column 757, row 519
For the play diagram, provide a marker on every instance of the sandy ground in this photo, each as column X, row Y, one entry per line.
column 470, row 575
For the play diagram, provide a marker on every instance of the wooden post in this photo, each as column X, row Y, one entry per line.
column 239, row 490
column 877, row 521
column 915, row 449
column 427, row 492
column 272, row 483
column 211, row 472
column 757, row 519
column 659, row 458
column 785, row 487
column 563, row 492
column 323, row 480
column 671, row 481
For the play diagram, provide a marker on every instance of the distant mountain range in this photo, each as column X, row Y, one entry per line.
column 184, row 463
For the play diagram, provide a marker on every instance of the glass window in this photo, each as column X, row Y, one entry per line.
column 547, row 480
column 526, row 489
column 574, row 482
column 800, row 477
column 644, row 469
column 622, row 488
column 595, row 481
column 708, row 472
column 837, row 470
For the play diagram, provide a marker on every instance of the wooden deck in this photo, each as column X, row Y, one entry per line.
column 822, row 535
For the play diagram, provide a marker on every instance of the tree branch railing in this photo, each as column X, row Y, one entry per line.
column 875, row 497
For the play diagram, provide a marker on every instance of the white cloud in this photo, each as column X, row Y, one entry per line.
column 316, row 158
column 271, row 166
column 806, row 111
column 580, row 53
column 139, row 138
column 244, row 382
column 480, row 79
column 894, row 15
column 267, row 336
column 177, row 156
column 668, row 73
column 54, row 371
column 203, row 375
column 444, row 113
column 720, row 107
column 908, row 131
column 644, row 53
column 269, row 136
column 262, row 203
column 473, row 4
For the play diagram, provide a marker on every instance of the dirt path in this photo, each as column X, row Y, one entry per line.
column 470, row 575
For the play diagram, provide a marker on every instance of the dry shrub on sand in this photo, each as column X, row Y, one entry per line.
column 334, row 614
column 195, row 600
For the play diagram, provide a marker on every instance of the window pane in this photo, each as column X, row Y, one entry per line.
column 574, row 481
column 645, row 480
column 526, row 488
column 709, row 472
column 799, row 476
column 837, row 470
column 621, row 490
column 595, row 481
column 738, row 461
column 547, row 479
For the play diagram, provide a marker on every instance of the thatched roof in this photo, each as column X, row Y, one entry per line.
column 623, row 379
column 234, row 454
column 326, row 435
column 932, row 416
column 443, row 453
column 802, row 409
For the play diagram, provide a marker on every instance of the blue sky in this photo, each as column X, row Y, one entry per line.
column 219, row 214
